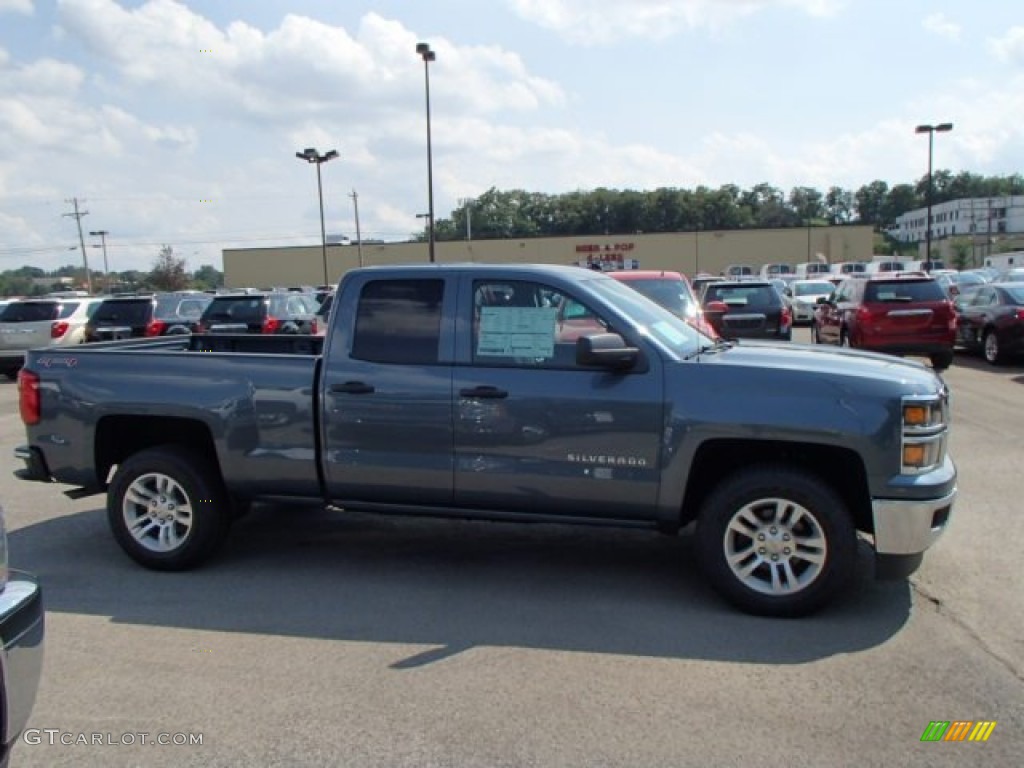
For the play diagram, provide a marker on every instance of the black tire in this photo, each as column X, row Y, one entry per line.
column 990, row 349
column 776, row 502
column 942, row 360
column 188, row 514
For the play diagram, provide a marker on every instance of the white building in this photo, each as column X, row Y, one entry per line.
column 984, row 219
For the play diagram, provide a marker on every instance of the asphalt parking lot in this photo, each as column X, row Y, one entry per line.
column 331, row 639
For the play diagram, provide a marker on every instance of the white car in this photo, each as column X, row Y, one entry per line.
column 43, row 322
column 803, row 297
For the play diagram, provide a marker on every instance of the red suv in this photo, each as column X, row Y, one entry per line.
column 895, row 312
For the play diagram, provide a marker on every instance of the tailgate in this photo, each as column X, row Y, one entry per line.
column 23, row 336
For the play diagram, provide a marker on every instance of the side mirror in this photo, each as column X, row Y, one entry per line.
column 606, row 350
column 823, row 300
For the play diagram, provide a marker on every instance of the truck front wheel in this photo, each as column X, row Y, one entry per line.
column 167, row 510
column 776, row 541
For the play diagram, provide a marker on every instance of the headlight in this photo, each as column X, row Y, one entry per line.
column 924, row 433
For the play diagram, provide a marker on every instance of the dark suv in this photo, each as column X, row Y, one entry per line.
column 161, row 314
column 896, row 312
column 751, row 309
column 261, row 312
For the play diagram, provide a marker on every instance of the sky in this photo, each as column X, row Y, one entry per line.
column 176, row 122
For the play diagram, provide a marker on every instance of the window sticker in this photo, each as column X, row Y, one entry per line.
column 516, row 332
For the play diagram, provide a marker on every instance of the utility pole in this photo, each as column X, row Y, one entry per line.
column 102, row 234
column 81, row 240
column 359, row 237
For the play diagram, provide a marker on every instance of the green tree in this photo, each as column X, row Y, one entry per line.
column 871, row 201
column 207, row 277
column 168, row 273
column 838, row 205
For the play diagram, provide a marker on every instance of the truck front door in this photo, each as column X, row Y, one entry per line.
column 386, row 392
column 537, row 433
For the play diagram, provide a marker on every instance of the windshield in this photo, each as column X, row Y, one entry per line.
column 654, row 320
column 673, row 295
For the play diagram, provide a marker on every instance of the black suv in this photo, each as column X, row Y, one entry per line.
column 161, row 314
column 263, row 312
column 748, row 309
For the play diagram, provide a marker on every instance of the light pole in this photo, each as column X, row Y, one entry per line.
column 102, row 235
column 423, row 49
column 310, row 155
column 931, row 131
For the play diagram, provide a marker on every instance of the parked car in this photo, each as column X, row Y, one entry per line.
column 991, row 321
column 803, row 298
column 137, row 316
column 323, row 313
column 898, row 313
column 1012, row 275
column 266, row 312
column 44, row 322
column 702, row 279
column 769, row 271
column 812, row 269
column 886, row 265
column 750, row 309
column 670, row 290
column 22, row 629
column 739, row 272
column 844, row 268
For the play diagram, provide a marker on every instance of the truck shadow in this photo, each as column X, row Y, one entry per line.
column 448, row 585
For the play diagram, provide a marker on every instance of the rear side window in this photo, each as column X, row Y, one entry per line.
column 399, row 321
column 904, row 291
column 30, row 312
column 125, row 312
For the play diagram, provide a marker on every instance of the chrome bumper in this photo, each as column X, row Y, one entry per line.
column 22, row 630
column 909, row 527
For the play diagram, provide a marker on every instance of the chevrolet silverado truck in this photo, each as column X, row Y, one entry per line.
column 526, row 393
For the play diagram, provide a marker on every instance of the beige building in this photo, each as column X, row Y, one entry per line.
column 687, row 252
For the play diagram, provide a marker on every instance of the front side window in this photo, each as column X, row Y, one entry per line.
column 520, row 323
column 399, row 321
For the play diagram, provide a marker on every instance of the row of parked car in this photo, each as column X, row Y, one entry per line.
column 896, row 312
column 61, row 321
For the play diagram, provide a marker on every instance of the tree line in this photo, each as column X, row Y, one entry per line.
column 167, row 274
column 520, row 214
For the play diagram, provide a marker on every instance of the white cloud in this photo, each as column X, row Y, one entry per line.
column 939, row 25
column 16, row 6
column 1009, row 47
column 601, row 21
column 302, row 66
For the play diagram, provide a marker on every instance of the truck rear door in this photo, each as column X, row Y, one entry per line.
column 537, row 433
column 386, row 390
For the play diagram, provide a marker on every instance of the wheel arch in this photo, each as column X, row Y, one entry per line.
column 839, row 467
column 121, row 436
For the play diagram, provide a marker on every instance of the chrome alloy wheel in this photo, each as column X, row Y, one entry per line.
column 775, row 546
column 157, row 512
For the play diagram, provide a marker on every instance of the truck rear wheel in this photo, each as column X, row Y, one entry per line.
column 776, row 541
column 167, row 510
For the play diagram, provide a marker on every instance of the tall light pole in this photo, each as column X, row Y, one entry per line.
column 102, row 235
column 310, row 155
column 423, row 49
column 931, row 130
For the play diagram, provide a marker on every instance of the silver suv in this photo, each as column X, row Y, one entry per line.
column 44, row 322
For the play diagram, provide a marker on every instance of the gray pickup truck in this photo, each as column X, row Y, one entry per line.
column 532, row 393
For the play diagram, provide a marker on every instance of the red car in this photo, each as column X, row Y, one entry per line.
column 671, row 290
column 893, row 312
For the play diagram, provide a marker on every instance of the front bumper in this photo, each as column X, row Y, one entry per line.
column 21, row 658
column 910, row 526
